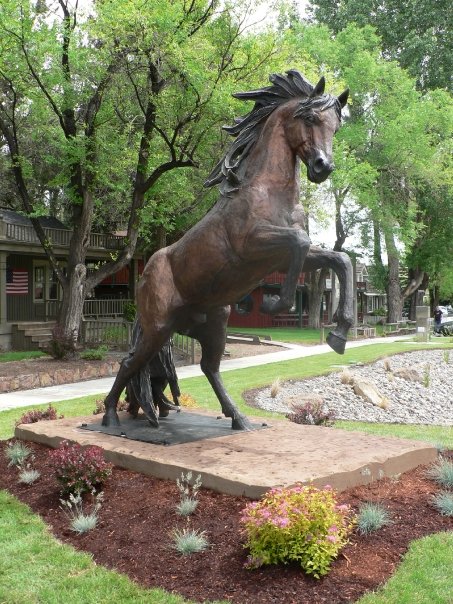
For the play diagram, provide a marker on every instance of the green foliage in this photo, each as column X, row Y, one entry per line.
column 60, row 572
column 6, row 357
column 129, row 311
column 442, row 473
column 372, row 517
column 81, row 521
column 189, row 541
column 78, row 469
column 94, row 354
column 300, row 524
column 17, row 452
column 443, row 502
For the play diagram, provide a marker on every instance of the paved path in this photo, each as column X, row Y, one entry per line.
column 51, row 394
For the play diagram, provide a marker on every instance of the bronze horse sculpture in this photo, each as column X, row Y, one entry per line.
column 255, row 228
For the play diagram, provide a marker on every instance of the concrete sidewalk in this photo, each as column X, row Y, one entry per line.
column 51, row 394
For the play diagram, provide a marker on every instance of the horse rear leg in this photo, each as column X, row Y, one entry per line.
column 340, row 263
column 212, row 338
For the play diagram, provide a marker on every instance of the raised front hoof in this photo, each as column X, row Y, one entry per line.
column 241, row 423
column 111, row 419
column 337, row 343
column 273, row 306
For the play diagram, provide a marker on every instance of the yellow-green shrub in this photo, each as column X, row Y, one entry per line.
column 300, row 524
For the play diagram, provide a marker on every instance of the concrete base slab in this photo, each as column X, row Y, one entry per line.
column 250, row 463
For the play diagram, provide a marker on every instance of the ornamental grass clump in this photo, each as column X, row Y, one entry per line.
column 28, row 475
column 17, row 453
column 312, row 414
column 188, row 493
column 442, row 473
column 78, row 469
column 372, row 517
column 443, row 502
column 189, row 541
column 300, row 524
column 80, row 521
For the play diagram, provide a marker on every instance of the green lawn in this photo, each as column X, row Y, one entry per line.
column 20, row 355
column 423, row 578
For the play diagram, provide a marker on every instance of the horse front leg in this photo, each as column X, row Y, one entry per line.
column 290, row 245
column 341, row 264
column 212, row 337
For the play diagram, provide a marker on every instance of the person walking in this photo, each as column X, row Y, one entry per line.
column 437, row 320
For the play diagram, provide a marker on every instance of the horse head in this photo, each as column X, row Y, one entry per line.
column 311, row 128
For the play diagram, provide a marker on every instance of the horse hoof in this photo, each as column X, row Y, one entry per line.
column 337, row 343
column 111, row 419
column 241, row 423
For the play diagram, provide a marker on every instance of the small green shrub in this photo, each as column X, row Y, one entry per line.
column 189, row 541
column 29, row 476
column 81, row 522
column 442, row 473
column 300, row 524
column 129, row 311
column 372, row 517
column 312, row 414
column 443, row 502
column 94, row 354
column 17, row 453
column 78, row 469
column 37, row 415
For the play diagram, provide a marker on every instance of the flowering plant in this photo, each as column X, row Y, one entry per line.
column 79, row 469
column 300, row 524
column 37, row 415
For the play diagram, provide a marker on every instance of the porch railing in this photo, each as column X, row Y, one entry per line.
column 113, row 333
column 117, row 333
column 105, row 308
column 26, row 233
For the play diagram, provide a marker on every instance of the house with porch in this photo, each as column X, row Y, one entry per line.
column 246, row 312
column 30, row 294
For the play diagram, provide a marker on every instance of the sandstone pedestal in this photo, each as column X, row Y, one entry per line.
column 250, row 463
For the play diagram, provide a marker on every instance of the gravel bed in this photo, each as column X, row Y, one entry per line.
column 430, row 402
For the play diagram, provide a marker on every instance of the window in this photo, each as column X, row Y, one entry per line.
column 245, row 306
column 39, row 283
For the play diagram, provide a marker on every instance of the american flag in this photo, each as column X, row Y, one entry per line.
column 16, row 281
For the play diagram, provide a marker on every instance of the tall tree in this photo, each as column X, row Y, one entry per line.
column 417, row 33
column 118, row 97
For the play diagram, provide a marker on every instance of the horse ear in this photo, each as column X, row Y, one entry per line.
column 343, row 98
column 319, row 88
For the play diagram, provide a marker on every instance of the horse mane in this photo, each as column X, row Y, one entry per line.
column 284, row 87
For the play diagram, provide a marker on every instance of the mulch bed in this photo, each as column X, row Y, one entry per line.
column 138, row 516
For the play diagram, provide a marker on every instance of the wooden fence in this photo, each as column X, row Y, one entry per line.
column 117, row 334
column 113, row 333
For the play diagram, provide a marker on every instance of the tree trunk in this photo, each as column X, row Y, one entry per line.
column 316, row 286
column 74, row 293
column 394, row 294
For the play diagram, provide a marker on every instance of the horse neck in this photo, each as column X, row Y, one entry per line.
column 272, row 164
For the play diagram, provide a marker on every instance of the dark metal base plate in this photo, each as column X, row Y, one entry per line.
column 176, row 429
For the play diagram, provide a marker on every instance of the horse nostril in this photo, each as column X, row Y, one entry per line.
column 322, row 166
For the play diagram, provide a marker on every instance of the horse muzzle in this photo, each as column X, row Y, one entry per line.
column 319, row 168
